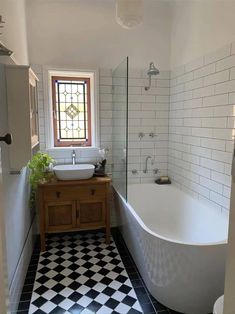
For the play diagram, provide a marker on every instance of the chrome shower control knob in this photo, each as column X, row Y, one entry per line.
column 134, row 171
column 152, row 134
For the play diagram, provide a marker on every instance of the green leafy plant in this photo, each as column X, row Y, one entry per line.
column 39, row 172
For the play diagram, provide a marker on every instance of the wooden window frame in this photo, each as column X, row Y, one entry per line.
column 71, row 143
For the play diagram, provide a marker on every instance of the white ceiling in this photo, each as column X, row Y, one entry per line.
column 84, row 33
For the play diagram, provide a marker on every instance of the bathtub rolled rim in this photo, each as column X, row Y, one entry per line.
column 147, row 229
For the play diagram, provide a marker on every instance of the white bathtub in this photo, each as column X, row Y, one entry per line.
column 178, row 244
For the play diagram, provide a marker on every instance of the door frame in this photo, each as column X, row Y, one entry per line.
column 229, row 301
column 4, row 288
column 4, row 291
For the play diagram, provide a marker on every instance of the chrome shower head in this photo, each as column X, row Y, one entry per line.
column 151, row 71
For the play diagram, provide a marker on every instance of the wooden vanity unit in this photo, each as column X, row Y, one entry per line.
column 73, row 206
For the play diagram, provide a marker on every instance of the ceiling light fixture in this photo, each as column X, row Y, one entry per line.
column 129, row 13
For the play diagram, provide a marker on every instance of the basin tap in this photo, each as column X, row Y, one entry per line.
column 73, row 157
column 146, row 164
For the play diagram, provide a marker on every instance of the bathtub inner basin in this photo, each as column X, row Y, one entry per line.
column 176, row 216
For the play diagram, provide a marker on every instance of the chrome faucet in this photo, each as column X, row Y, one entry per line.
column 73, row 157
column 146, row 164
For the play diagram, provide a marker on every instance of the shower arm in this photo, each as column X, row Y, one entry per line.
column 148, row 87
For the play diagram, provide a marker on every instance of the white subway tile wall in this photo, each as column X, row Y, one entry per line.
column 201, row 126
column 148, row 119
column 190, row 113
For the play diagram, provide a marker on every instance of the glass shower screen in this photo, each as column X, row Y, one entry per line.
column 120, row 127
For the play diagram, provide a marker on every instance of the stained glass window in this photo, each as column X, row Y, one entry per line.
column 71, row 111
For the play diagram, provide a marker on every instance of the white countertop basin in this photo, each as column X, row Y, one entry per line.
column 74, row 172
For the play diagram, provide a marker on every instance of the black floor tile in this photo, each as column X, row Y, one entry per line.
column 76, row 309
column 148, row 308
column 134, row 276
column 29, row 280
column 94, row 306
column 158, row 306
column 27, row 288
column 175, row 312
column 32, row 268
column 112, row 303
column 142, row 295
column 26, row 297
column 137, row 283
column 57, row 310
column 24, row 305
column 131, row 269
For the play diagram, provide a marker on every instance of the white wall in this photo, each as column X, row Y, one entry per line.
column 84, row 34
column 14, row 32
column 15, row 37
column 200, row 27
column 18, row 217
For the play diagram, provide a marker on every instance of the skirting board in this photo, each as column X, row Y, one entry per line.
column 22, row 267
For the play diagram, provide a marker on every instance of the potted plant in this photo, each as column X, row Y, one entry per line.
column 40, row 172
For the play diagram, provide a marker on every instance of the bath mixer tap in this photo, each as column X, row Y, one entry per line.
column 73, row 157
column 146, row 164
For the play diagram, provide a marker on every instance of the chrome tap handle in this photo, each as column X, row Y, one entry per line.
column 73, row 157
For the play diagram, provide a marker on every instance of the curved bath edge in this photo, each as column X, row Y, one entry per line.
column 184, row 276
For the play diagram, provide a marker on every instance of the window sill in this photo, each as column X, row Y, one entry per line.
column 71, row 148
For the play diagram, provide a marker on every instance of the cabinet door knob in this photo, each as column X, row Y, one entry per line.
column 92, row 191
column 7, row 138
column 58, row 194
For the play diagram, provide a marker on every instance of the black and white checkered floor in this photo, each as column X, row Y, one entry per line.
column 81, row 274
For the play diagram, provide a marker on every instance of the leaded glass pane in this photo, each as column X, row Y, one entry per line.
column 71, row 110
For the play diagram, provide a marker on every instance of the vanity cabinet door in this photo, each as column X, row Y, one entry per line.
column 33, row 111
column 21, row 95
column 60, row 215
column 90, row 213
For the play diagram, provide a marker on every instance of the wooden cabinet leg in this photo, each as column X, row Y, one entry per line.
column 42, row 220
column 108, row 214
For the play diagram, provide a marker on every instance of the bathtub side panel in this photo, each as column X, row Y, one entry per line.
column 185, row 278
